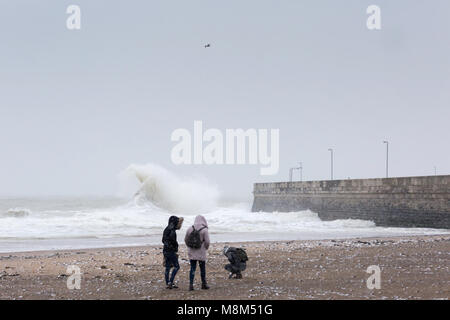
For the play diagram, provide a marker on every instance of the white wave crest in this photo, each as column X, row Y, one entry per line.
column 177, row 194
column 17, row 212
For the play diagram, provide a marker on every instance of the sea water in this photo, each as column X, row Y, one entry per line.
column 139, row 218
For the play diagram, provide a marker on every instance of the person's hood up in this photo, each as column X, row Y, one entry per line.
column 200, row 222
column 225, row 250
column 173, row 221
column 180, row 223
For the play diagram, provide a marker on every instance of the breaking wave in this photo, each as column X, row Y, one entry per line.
column 155, row 195
column 17, row 212
column 169, row 192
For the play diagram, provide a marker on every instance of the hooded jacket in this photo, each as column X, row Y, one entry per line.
column 236, row 264
column 199, row 254
column 169, row 238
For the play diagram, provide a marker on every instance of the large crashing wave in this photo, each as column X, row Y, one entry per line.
column 160, row 187
column 159, row 194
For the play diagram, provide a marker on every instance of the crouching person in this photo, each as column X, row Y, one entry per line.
column 170, row 250
column 197, row 241
column 238, row 261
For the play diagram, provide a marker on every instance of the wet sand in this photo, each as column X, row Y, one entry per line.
column 416, row 267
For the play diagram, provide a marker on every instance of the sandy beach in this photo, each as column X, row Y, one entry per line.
column 411, row 268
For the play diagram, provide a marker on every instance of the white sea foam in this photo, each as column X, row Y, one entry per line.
column 170, row 192
column 17, row 212
column 160, row 194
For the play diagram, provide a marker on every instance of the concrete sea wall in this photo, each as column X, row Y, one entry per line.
column 398, row 202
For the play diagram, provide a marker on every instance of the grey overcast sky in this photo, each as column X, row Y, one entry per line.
column 77, row 107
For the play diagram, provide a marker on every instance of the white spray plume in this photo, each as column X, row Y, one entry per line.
column 155, row 184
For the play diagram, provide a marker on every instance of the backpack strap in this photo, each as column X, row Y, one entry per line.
column 193, row 229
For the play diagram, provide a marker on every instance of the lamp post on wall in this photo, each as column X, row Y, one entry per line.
column 387, row 158
column 331, row 153
column 291, row 172
column 301, row 170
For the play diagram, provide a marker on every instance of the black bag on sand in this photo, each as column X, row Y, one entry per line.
column 242, row 255
column 194, row 241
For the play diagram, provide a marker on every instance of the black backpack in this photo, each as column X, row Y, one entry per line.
column 193, row 240
column 241, row 254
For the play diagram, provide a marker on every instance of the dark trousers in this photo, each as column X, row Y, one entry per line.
column 236, row 268
column 233, row 268
column 171, row 262
column 202, row 265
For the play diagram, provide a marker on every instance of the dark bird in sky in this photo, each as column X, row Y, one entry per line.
column 208, row 45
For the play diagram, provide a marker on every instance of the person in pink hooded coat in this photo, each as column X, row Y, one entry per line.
column 198, row 255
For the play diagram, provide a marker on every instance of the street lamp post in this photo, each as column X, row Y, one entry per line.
column 291, row 172
column 387, row 158
column 301, row 171
column 331, row 153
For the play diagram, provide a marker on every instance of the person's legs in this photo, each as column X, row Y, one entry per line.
column 202, row 270
column 228, row 268
column 192, row 272
column 168, row 266
column 233, row 269
column 203, row 274
column 166, row 274
column 239, row 268
column 242, row 267
column 176, row 267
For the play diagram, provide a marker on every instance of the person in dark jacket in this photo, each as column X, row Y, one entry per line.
column 236, row 265
column 170, row 250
